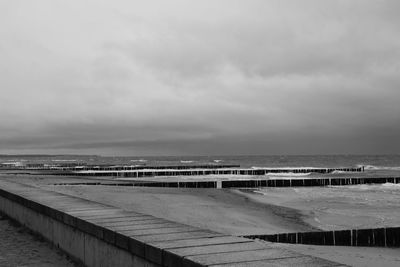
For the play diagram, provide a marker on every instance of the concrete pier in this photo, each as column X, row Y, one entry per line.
column 101, row 235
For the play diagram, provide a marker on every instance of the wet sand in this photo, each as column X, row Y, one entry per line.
column 352, row 256
column 219, row 210
column 337, row 208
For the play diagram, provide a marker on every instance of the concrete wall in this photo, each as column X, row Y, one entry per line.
column 81, row 246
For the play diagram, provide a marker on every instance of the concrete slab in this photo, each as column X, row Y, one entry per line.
column 95, row 211
column 178, row 236
column 95, row 214
column 196, row 242
column 75, row 201
column 47, row 201
column 211, row 249
column 30, row 190
column 109, row 215
column 76, row 208
column 127, row 228
column 90, row 228
column 68, row 203
column 138, row 222
column 178, row 229
column 239, row 256
column 174, row 257
column 38, row 195
column 124, row 221
column 117, row 218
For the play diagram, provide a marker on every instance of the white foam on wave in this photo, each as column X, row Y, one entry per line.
column 284, row 168
column 375, row 187
column 186, row 161
column 63, row 160
column 13, row 163
column 391, row 185
column 339, row 172
column 373, row 167
column 290, row 174
column 218, row 160
column 138, row 160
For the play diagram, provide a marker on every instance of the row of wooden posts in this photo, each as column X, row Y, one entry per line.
column 252, row 183
column 376, row 237
column 148, row 172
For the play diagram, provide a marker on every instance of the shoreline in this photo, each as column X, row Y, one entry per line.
column 292, row 215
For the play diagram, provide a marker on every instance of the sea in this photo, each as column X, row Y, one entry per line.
column 374, row 165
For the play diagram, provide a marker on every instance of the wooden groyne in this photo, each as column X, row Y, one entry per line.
column 309, row 182
column 252, row 183
column 106, row 167
column 199, row 171
column 376, row 237
column 144, row 167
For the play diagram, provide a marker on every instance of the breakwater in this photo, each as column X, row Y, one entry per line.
column 376, row 237
column 73, row 167
column 252, row 183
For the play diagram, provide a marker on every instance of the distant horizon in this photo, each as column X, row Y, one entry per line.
column 216, row 155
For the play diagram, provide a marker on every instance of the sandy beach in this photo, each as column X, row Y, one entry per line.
column 220, row 210
column 19, row 247
column 337, row 208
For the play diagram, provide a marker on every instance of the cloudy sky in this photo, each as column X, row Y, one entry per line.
column 199, row 77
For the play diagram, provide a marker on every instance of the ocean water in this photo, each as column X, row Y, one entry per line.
column 386, row 165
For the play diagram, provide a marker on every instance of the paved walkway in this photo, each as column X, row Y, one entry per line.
column 20, row 248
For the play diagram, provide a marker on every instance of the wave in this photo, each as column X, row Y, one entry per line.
column 14, row 163
column 63, row 160
column 291, row 174
column 218, row 160
column 285, row 168
column 391, row 185
column 187, row 161
column 368, row 187
column 375, row 168
column 138, row 160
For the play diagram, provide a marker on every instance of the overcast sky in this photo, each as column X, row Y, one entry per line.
column 199, row 77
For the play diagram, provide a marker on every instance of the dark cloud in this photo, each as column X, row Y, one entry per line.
column 205, row 77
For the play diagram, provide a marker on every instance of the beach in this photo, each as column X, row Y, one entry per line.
column 252, row 211
column 337, row 207
column 219, row 210
column 236, row 212
column 18, row 247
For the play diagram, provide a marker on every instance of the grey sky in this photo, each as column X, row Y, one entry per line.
column 199, row 77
